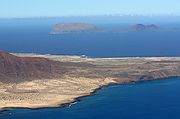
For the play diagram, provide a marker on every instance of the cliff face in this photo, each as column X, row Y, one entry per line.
column 72, row 27
column 15, row 69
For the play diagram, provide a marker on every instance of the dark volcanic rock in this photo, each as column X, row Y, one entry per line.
column 73, row 27
column 152, row 27
column 16, row 69
column 141, row 27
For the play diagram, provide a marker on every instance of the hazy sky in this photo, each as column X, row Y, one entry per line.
column 37, row 8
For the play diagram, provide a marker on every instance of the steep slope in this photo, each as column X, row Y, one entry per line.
column 16, row 69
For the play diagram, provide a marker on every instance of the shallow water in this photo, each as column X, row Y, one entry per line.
column 146, row 100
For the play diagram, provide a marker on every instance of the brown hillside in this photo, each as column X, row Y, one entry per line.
column 16, row 69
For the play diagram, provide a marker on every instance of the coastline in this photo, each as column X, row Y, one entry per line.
column 77, row 99
column 59, row 101
column 60, row 105
column 72, row 87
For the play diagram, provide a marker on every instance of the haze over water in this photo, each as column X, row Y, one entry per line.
column 33, row 36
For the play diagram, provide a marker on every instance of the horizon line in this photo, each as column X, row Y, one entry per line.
column 103, row 15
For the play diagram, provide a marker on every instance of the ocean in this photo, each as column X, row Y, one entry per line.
column 145, row 100
column 31, row 37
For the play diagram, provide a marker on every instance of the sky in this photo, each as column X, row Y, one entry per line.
column 54, row 8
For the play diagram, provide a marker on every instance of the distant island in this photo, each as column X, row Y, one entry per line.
column 73, row 27
column 36, row 81
column 85, row 27
column 142, row 27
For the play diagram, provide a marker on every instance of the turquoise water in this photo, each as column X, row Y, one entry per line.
column 146, row 100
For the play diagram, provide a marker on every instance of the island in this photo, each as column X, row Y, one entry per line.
column 38, row 81
column 73, row 27
column 62, row 28
column 142, row 27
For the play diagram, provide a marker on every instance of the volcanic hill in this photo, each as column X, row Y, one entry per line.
column 16, row 69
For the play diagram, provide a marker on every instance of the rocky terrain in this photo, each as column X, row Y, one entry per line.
column 35, row 81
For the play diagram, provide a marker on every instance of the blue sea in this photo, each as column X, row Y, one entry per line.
column 145, row 100
column 33, row 36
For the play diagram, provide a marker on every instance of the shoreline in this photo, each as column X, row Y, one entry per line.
column 63, row 105
column 77, row 99
column 87, row 57
column 60, row 103
column 88, row 76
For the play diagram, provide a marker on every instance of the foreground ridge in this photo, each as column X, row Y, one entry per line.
column 35, row 81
